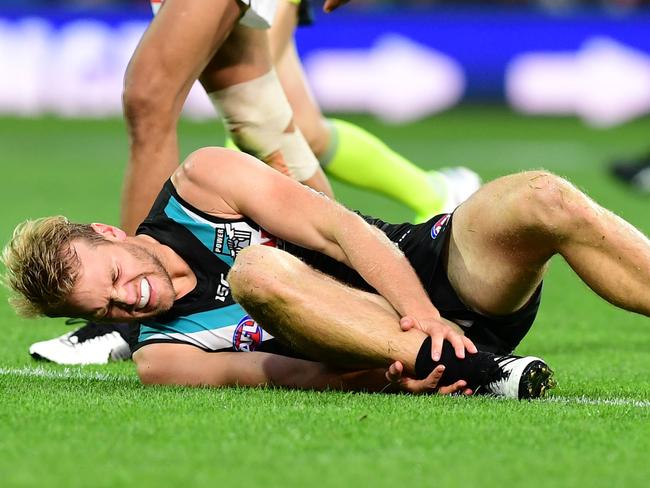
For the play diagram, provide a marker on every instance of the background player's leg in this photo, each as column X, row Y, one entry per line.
column 348, row 152
column 243, row 86
column 503, row 237
column 178, row 44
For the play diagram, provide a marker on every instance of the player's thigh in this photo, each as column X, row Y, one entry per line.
column 496, row 259
column 181, row 40
column 243, row 56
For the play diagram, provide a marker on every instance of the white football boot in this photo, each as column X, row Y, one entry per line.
column 91, row 344
column 461, row 184
column 522, row 378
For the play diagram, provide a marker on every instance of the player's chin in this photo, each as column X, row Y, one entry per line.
column 153, row 311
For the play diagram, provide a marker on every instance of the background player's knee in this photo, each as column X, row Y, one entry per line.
column 143, row 100
column 259, row 119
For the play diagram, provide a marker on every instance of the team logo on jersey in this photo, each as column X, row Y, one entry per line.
column 247, row 336
column 228, row 240
column 223, row 289
column 437, row 227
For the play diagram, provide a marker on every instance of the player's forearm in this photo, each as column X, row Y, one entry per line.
column 310, row 375
column 369, row 380
column 323, row 377
column 384, row 266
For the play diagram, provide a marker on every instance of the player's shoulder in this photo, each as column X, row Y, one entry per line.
column 213, row 179
column 212, row 161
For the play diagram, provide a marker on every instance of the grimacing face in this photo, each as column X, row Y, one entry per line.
column 119, row 281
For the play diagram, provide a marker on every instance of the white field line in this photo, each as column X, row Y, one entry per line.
column 76, row 373
column 65, row 373
column 626, row 402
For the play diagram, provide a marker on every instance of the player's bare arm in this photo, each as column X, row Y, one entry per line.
column 177, row 364
column 294, row 213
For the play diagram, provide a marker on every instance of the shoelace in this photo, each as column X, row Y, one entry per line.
column 90, row 330
column 95, row 340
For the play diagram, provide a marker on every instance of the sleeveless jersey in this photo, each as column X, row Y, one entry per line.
column 207, row 317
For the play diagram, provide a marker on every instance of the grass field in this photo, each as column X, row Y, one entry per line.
column 96, row 426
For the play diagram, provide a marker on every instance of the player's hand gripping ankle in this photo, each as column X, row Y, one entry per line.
column 395, row 374
column 440, row 329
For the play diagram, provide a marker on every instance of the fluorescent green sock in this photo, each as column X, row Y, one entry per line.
column 229, row 143
column 357, row 157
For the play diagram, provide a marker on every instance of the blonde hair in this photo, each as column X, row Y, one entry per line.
column 41, row 264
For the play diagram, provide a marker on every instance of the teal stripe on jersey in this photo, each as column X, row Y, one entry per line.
column 203, row 231
column 197, row 322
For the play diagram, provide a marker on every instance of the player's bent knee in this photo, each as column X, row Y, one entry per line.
column 259, row 274
column 138, row 107
column 549, row 202
column 144, row 99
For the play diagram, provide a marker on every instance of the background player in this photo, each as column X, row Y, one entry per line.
column 346, row 151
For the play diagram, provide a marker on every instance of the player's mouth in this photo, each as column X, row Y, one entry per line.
column 145, row 294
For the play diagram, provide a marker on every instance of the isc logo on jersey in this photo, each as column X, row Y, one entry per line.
column 437, row 227
column 247, row 336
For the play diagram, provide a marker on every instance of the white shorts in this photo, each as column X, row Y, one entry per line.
column 258, row 15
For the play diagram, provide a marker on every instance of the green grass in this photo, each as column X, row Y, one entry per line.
column 96, row 426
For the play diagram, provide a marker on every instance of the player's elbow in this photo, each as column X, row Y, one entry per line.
column 151, row 373
column 298, row 374
column 154, row 367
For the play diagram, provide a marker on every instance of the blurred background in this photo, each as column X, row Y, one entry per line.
column 399, row 61
column 498, row 86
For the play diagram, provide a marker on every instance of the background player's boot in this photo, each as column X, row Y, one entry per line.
column 93, row 343
column 633, row 172
column 518, row 377
column 456, row 183
column 462, row 183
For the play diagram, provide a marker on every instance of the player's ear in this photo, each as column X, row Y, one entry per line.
column 110, row 232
